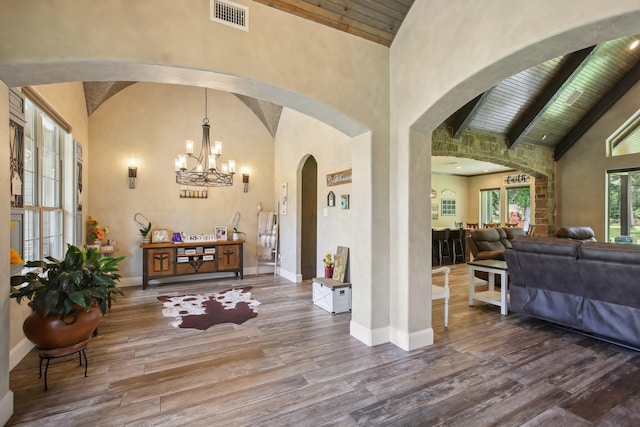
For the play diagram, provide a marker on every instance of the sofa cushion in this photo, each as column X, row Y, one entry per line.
column 487, row 239
column 576, row 233
column 547, row 245
column 613, row 252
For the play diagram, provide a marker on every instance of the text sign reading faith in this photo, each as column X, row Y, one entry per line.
column 521, row 178
column 337, row 178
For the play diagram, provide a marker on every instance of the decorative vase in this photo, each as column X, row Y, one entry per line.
column 97, row 242
column 146, row 239
column 236, row 236
column 328, row 272
column 57, row 331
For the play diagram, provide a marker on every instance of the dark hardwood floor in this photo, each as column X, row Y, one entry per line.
column 296, row 365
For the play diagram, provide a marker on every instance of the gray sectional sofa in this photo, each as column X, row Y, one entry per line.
column 589, row 286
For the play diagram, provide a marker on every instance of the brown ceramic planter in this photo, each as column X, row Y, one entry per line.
column 57, row 331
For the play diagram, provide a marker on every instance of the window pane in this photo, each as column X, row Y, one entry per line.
column 519, row 206
column 490, row 206
column 624, row 205
column 31, row 235
column 50, row 164
column 52, row 233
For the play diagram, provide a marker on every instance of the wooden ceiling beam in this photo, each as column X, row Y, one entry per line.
column 607, row 101
column 465, row 115
column 571, row 65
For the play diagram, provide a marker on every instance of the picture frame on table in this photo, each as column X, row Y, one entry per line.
column 221, row 232
column 159, row 236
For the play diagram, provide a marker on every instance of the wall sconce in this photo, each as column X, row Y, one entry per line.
column 133, row 174
column 245, row 181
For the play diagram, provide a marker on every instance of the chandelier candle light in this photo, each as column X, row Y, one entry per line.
column 205, row 173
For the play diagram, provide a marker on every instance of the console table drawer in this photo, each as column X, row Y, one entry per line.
column 196, row 267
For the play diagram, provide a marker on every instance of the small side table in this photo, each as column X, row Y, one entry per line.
column 490, row 296
column 80, row 348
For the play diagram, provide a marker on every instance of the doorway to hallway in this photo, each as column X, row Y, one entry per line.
column 309, row 220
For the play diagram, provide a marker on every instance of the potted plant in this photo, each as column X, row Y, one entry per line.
column 328, row 265
column 236, row 234
column 68, row 296
column 144, row 232
column 145, row 227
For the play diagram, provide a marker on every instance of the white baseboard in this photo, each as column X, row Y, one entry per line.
column 297, row 278
column 6, row 407
column 413, row 340
column 369, row 337
column 19, row 351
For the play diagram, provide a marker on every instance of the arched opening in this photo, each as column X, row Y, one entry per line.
column 308, row 218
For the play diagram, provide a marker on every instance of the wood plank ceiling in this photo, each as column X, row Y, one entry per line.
column 375, row 20
column 551, row 104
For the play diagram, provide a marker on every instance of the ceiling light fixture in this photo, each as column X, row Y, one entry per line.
column 205, row 173
column 634, row 44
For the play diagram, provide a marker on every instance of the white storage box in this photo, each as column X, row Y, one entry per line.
column 331, row 295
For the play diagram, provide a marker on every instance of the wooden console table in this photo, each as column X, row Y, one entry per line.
column 161, row 260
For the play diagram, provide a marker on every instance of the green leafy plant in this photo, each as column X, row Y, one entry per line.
column 145, row 230
column 83, row 277
column 235, row 230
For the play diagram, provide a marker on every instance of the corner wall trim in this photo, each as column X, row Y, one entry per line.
column 6, row 407
column 370, row 337
column 413, row 340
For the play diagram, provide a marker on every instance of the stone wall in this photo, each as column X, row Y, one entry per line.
column 534, row 160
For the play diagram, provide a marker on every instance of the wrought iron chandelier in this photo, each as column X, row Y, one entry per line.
column 205, row 172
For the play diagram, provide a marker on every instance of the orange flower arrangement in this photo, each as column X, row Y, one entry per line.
column 96, row 231
column 15, row 257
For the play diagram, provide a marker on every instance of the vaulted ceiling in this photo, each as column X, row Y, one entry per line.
column 551, row 104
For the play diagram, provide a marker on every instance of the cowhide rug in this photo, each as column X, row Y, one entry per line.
column 201, row 311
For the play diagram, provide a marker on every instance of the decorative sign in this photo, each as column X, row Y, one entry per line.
column 337, row 178
column 521, row 178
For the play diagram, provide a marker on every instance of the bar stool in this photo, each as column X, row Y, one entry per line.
column 472, row 225
column 440, row 240
column 457, row 247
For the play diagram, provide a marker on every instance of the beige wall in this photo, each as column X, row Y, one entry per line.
column 581, row 173
column 298, row 137
column 459, row 185
column 150, row 123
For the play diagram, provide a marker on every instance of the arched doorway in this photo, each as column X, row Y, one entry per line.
column 309, row 219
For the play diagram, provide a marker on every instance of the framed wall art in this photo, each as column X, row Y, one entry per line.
column 221, row 232
column 344, row 201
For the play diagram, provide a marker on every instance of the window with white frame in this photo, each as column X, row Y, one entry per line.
column 490, row 206
column 448, row 207
column 43, row 166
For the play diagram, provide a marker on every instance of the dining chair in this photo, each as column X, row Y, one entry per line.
column 531, row 230
column 442, row 292
column 488, row 225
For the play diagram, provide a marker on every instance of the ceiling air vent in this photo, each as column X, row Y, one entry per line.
column 229, row 13
column 573, row 97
